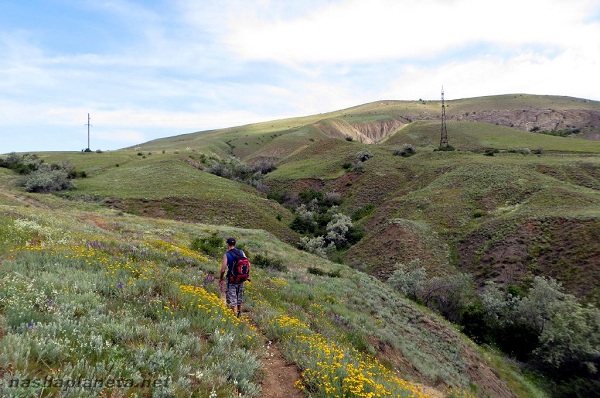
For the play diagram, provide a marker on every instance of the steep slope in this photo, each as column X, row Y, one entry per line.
column 85, row 265
column 506, row 217
column 374, row 122
column 169, row 186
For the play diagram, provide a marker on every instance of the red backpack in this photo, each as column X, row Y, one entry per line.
column 239, row 270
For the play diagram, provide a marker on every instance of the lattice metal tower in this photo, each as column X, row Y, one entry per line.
column 444, row 130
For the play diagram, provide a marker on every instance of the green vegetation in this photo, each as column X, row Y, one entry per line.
column 127, row 256
column 100, row 296
column 543, row 326
column 38, row 176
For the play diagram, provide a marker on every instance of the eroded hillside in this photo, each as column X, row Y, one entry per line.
column 512, row 203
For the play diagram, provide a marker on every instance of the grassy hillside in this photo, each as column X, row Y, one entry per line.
column 128, row 181
column 507, row 206
column 91, row 294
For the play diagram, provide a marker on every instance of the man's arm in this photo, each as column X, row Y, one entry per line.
column 223, row 267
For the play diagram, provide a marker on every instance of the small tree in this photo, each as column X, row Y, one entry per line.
column 449, row 295
column 314, row 245
column 568, row 332
column 409, row 280
column 337, row 229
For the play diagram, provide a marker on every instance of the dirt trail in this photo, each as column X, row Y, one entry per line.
column 279, row 376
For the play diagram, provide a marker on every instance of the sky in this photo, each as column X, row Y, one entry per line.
column 151, row 69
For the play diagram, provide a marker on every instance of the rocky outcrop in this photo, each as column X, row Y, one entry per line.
column 539, row 119
column 583, row 121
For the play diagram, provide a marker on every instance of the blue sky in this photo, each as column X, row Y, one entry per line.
column 152, row 69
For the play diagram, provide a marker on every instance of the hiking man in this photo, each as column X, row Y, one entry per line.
column 234, row 292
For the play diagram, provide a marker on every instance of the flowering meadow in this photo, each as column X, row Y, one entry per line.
column 115, row 305
column 89, row 314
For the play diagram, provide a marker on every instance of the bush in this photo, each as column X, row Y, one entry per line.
column 449, row 296
column 337, row 230
column 548, row 328
column 315, row 245
column 332, row 199
column 410, row 280
column 363, row 156
column 448, row 148
column 406, row 151
column 46, row 180
column 365, row 211
column 478, row 213
column 569, row 333
column 22, row 164
column 235, row 169
column 211, row 245
column 318, row 271
column 270, row 263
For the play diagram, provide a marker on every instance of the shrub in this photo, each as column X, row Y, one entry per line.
column 318, row 271
column 268, row 262
column 235, row 169
column 337, row 229
column 332, row 199
column 46, row 180
column 363, row 156
column 365, row 211
column 449, row 295
column 304, row 221
column 548, row 328
column 448, row 148
column 307, row 196
column 22, row 164
column 409, row 280
column 569, row 333
column 315, row 245
column 406, row 151
column 211, row 245
column 478, row 213
column 359, row 166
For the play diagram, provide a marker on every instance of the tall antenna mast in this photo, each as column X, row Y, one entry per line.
column 444, row 130
column 88, row 126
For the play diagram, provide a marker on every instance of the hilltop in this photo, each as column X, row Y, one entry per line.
column 461, row 198
column 518, row 199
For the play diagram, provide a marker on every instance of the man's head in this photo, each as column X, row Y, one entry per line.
column 230, row 241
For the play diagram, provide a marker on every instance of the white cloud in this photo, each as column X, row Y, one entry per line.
column 360, row 31
column 123, row 136
column 180, row 66
column 567, row 73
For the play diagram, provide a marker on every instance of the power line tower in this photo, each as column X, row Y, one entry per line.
column 88, row 127
column 444, row 130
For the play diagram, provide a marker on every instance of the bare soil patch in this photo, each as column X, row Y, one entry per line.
column 279, row 375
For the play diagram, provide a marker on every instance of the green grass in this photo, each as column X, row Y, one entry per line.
column 105, row 289
column 444, row 208
column 138, row 179
column 477, row 136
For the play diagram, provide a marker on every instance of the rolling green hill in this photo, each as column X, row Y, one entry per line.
column 512, row 203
